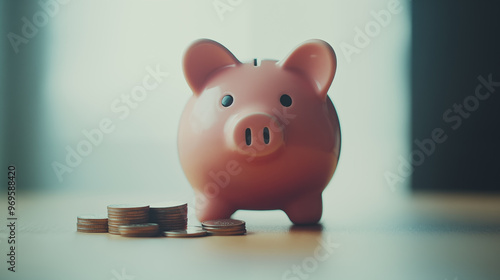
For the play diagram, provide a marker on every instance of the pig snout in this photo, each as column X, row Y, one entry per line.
column 257, row 134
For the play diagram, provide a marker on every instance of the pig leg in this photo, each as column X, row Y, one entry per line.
column 212, row 209
column 305, row 210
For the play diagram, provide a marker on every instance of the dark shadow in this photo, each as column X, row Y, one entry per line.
column 306, row 228
column 23, row 75
column 455, row 49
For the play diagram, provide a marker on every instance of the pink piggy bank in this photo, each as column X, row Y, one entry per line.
column 259, row 136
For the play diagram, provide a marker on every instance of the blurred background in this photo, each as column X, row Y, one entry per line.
column 455, row 66
column 416, row 91
column 69, row 66
column 403, row 68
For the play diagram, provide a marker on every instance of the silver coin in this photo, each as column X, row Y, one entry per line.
column 223, row 223
column 189, row 232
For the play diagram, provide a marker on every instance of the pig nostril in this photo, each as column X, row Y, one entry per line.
column 266, row 135
column 248, row 136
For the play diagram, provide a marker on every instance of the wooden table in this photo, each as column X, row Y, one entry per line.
column 425, row 236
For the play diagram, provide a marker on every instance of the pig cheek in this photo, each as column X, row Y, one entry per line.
column 203, row 116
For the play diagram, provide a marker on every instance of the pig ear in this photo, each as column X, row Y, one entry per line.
column 317, row 61
column 201, row 59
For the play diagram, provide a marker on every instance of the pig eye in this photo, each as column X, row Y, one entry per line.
column 286, row 100
column 227, row 100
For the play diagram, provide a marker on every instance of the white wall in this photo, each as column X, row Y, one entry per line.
column 99, row 50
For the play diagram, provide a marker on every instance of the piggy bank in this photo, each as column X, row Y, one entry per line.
column 261, row 135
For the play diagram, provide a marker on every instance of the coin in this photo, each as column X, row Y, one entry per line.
column 92, row 218
column 181, row 225
column 139, row 226
column 224, row 227
column 91, row 224
column 139, row 230
column 168, row 205
column 171, row 228
column 178, row 223
column 169, row 222
column 240, row 232
column 126, row 214
column 169, row 215
column 128, row 221
column 223, row 223
column 127, row 207
column 189, row 232
column 147, row 220
column 168, row 209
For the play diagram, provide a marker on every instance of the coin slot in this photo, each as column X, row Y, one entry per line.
column 266, row 135
column 248, row 136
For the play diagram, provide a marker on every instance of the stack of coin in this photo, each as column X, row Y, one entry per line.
column 124, row 214
column 169, row 216
column 224, row 227
column 139, row 230
column 92, row 224
column 188, row 232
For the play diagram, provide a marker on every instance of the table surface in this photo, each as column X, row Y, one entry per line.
column 424, row 236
